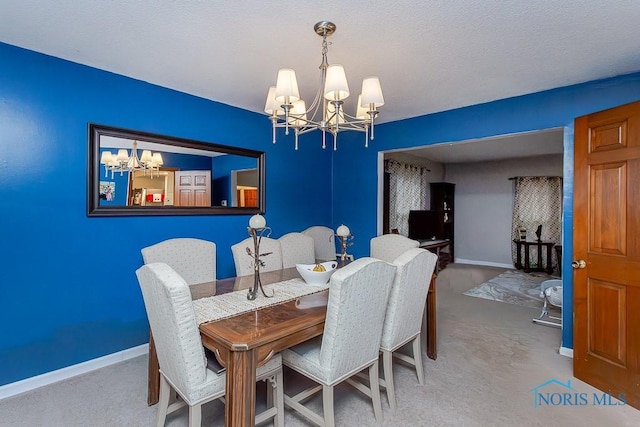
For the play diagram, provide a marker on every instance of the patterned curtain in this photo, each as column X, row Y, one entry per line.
column 537, row 201
column 408, row 190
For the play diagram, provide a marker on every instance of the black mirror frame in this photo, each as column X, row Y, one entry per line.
column 93, row 175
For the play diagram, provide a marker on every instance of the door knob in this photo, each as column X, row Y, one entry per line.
column 580, row 263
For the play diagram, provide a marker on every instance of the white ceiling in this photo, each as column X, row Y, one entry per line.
column 527, row 144
column 430, row 55
column 114, row 143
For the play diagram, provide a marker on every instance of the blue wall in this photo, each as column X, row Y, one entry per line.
column 222, row 168
column 355, row 192
column 68, row 291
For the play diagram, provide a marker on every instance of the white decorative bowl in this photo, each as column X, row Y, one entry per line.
column 317, row 278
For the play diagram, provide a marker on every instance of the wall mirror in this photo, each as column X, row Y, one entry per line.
column 133, row 173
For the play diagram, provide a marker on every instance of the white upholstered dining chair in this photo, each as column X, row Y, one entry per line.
column 193, row 259
column 183, row 366
column 297, row 248
column 244, row 262
column 388, row 247
column 324, row 242
column 403, row 319
column 350, row 343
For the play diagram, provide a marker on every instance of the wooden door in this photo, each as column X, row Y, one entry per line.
column 247, row 196
column 193, row 188
column 607, row 237
column 250, row 198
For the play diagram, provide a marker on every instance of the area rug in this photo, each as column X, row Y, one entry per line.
column 512, row 287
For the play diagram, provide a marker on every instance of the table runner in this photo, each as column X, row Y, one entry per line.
column 218, row 307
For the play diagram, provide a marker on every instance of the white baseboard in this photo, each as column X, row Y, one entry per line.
column 487, row 263
column 564, row 351
column 28, row 384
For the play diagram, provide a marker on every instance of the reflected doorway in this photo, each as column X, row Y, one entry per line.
column 152, row 188
column 246, row 194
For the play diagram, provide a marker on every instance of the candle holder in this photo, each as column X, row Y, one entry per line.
column 345, row 242
column 344, row 234
column 256, row 234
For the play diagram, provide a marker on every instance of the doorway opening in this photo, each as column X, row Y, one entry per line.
column 480, row 170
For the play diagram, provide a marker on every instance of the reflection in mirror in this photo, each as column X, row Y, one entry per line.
column 137, row 173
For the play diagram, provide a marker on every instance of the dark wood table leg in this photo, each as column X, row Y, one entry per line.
column 153, row 374
column 540, row 265
column 549, row 260
column 558, row 249
column 432, row 347
column 527, row 267
column 518, row 255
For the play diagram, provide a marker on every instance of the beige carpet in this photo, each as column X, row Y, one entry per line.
column 490, row 357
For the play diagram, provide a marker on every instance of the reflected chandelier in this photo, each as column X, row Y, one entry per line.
column 123, row 162
column 326, row 112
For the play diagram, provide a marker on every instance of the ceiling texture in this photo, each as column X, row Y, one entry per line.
column 430, row 55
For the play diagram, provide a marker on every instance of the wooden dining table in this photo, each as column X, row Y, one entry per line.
column 245, row 341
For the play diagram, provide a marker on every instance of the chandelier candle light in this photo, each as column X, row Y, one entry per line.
column 344, row 234
column 326, row 113
column 257, row 228
column 123, row 162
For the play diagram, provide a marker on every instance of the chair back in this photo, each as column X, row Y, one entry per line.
column 173, row 324
column 297, row 248
column 324, row 243
column 388, row 247
column 358, row 295
column 403, row 319
column 193, row 259
column 244, row 262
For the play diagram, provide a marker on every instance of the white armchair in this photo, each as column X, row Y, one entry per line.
column 193, row 259
column 183, row 366
column 324, row 242
column 405, row 308
column 358, row 295
column 388, row 247
column 244, row 262
column 297, row 248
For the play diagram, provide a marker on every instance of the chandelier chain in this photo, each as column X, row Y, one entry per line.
column 325, row 50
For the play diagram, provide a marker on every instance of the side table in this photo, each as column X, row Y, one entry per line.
column 526, row 267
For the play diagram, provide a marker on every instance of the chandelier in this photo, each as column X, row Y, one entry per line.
column 123, row 162
column 326, row 113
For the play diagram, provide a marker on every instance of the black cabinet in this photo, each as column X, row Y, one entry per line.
column 443, row 204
